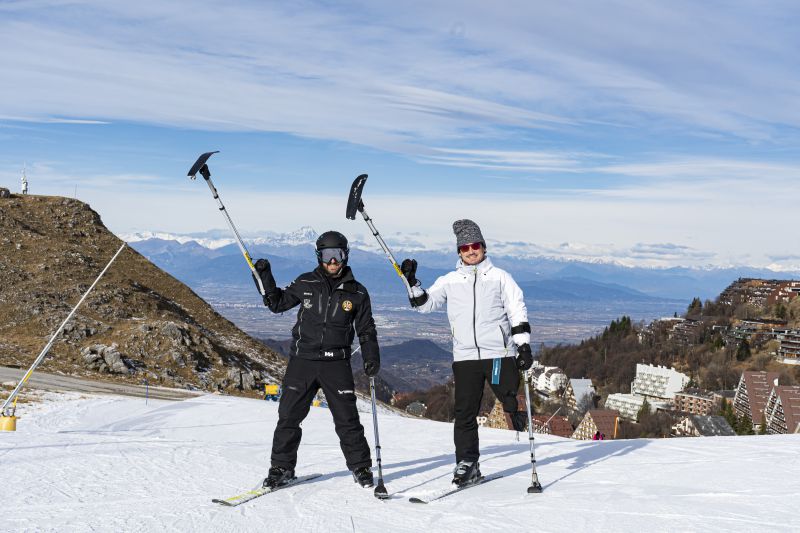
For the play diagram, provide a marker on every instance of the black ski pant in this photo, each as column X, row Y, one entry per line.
column 469, row 379
column 303, row 379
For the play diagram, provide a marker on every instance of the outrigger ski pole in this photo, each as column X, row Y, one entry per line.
column 380, row 490
column 535, row 487
column 354, row 203
column 201, row 167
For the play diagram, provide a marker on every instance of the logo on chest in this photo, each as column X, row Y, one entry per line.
column 307, row 303
column 347, row 306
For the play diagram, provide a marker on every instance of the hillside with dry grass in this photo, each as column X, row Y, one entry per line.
column 138, row 323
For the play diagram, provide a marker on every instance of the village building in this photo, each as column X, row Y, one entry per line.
column 687, row 331
column 656, row 384
column 606, row 421
column 552, row 425
column 789, row 349
column 696, row 402
column 782, row 411
column 580, row 393
column 548, row 380
column 752, row 394
column 628, row 405
column 703, row 426
column 784, row 293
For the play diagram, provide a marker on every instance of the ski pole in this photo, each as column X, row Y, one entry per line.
column 49, row 345
column 201, row 167
column 380, row 490
column 354, row 203
column 535, row 487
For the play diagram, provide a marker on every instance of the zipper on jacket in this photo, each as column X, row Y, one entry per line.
column 299, row 334
column 474, row 310
column 325, row 321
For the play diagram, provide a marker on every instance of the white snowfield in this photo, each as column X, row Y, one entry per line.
column 83, row 463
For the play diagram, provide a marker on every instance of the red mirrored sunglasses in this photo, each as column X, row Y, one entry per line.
column 471, row 246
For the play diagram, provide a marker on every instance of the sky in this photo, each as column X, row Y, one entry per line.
column 648, row 133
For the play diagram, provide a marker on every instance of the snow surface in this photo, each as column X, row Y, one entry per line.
column 105, row 463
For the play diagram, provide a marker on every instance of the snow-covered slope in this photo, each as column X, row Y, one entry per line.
column 116, row 464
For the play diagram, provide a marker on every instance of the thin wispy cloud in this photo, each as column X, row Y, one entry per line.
column 574, row 123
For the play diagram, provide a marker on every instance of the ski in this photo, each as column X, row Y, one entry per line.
column 452, row 489
column 239, row 499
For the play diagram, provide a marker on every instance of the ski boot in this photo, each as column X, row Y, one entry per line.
column 466, row 472
column 363, row 476
column 278, row 476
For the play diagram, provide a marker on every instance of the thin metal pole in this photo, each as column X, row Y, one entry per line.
column 53, row 339
column 239, row 241
column 535, row 485
column 380, row 490
column 386, row 251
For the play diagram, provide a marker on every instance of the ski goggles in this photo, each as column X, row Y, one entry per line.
column 326, row 255
column 471, row 246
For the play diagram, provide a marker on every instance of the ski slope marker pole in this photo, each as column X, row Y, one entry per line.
column 535, row 487
column 49, row 345
column 380, row 490
column 201, row 167
column 354, row 203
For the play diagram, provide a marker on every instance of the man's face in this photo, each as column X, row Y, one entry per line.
column 333, row 267
column 472, row 254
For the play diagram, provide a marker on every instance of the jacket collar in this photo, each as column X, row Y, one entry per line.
column 481, row 267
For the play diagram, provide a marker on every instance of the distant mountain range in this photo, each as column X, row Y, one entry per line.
column 212, row 258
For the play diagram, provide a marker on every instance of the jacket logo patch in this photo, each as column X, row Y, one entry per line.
column 307, row 303
column 344, row 391
column 328, row 354
column 347, row 305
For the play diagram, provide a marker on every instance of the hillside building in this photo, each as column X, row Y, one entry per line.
column 658, row 383
column 782, row 411
column 606, row 421
column 577, row 392
column 752, row 394
column 548, row 380
column 789, row 349
column 696, row 402
column 703, row 426
column 553, row 425
column 628, row 405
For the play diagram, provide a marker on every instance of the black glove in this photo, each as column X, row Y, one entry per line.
column 372, row 367
column 524, row 357
column 409, row 270
column 265, row 273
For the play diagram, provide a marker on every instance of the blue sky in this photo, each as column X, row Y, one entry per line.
column 654, row 133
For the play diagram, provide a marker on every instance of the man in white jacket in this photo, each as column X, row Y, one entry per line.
column 491, row 338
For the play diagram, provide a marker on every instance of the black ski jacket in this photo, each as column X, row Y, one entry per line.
column 330, row 309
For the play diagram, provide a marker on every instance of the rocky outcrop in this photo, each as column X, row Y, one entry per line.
column 138, row 323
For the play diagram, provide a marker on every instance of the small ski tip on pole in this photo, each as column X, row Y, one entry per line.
column 536, row 488
column 199, row 164
column 380, row 491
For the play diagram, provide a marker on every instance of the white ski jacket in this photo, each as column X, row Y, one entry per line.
column 483, row 303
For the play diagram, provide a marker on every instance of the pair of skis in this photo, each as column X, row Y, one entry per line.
column 426, row 497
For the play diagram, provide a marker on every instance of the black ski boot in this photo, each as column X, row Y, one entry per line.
column 363, row 476
column 278, row 476
column 466, row 472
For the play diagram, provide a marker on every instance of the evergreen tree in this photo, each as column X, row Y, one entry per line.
column 763, row 429
column 644, row 410
column 743, row 352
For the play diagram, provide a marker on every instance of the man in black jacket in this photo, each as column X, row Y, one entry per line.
column 333, row 307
